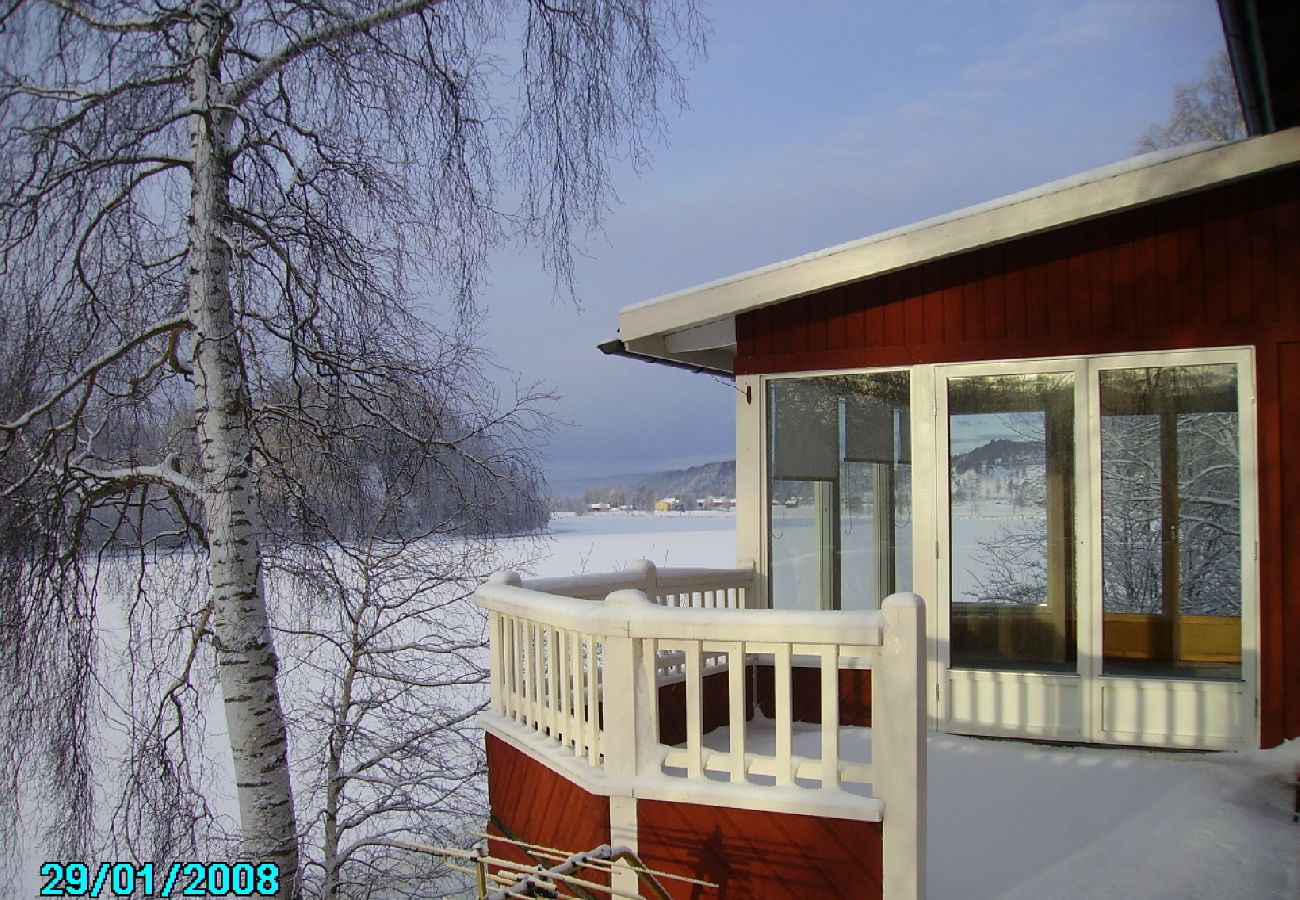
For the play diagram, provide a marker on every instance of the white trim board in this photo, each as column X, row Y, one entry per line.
column 646, row 327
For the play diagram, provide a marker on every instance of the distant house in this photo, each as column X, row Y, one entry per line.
column 598, row 507
column 668, row 504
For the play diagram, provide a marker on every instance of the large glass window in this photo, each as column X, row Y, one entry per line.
column 1011, row 521
column 1171, row 521
column 839, row 489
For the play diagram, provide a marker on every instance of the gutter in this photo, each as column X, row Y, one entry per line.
column 616, row 347
column 1245, row 50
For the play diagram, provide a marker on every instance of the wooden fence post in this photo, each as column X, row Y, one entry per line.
column 630, row 716
column 898, row 745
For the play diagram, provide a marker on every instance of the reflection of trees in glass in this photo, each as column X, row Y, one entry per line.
column 1015, row 563
column 1209, row 514
column 1209, row 527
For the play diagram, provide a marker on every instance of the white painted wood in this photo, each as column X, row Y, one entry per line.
column 737, row 674
column 784, row 697
column 710, row 336
column 594, row 743
column 1015, row 704
column 1203, row 715
column 570, row 656
column 645, row 327
column 694, row 710
column 751, row 486
column 624, row 832
column 830, row 716
column 898, row 749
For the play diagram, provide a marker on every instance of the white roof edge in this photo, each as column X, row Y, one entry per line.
column 1132, row 182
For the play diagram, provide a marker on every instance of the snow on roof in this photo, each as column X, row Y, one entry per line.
column 675, row 325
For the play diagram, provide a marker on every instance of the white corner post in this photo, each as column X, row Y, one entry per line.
column 898, row 753
column 751, row 507
column 631, row 722
column 649, row 577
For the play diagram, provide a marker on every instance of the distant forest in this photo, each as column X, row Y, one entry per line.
column 465, row 484
column 715, row 479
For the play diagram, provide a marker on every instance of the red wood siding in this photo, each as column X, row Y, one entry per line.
column 1280, row 556
column 806, row 694
column 715, row 704
column 1216, row 269
column 751, row 854
column 532, row 803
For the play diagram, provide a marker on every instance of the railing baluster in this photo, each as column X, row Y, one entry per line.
column 576, row 695
column 537, row 705
column 516, row 651
column 830, row 671
column 736, row 673
column 593, row 703
column 552, row 682
column 784, row 735
column 694, row 711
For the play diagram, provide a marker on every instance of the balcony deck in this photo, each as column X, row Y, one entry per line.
column 628, row 686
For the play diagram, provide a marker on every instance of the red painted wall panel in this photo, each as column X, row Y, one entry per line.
column 806, row 694
column 1216, row 269
column 715, row 702
column 532, row 803
column 751, row 854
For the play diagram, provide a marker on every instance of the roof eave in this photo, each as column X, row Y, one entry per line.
column 647, row 327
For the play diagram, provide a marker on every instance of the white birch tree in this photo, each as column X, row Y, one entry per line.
column 207, row 204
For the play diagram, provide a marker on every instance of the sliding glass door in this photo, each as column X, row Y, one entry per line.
column 1095, row 548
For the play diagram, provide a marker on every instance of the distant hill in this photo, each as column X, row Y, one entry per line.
column 576, row 487
column 715, row 479
column 1000, row 453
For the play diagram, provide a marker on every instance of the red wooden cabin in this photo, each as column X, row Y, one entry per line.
column 1063, row 418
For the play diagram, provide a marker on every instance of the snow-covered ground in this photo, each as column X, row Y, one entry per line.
column 1008, row 820
column 1020, row 821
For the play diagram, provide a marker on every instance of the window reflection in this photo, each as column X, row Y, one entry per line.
column 1171, row 521
column 1011, row 518
column 839, row 489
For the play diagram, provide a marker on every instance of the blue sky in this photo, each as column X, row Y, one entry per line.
column 814, row 124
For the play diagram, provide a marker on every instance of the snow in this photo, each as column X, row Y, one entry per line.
column 1018, row 821
column 608, row 541
column 1007, row 820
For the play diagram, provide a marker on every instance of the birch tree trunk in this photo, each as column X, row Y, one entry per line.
column 345, row 163
column 241, row 629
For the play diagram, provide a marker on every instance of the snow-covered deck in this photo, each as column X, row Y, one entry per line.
column 594, row 675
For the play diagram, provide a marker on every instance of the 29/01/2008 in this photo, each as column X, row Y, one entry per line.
column 182, row 879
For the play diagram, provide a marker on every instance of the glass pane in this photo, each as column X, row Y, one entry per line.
column 1011, row 507
column 839, row 521
column 1171, row 522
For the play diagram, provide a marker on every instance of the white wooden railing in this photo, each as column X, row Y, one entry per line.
column 704, row 588
column 576, row 681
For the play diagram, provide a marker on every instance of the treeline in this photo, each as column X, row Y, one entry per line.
column 403, row 467
column 703, row 482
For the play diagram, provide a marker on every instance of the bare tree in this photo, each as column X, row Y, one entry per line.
column 385, row 644
column 1205, row 110
column 211, row 210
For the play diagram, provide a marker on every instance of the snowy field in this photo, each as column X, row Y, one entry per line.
column 1006, row 819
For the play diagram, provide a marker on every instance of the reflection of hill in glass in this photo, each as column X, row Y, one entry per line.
column 999, row 453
